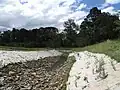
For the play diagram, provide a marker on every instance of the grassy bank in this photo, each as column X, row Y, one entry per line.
column 109, row 47
column 21, row 48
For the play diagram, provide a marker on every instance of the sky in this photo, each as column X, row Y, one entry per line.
column 42, row 13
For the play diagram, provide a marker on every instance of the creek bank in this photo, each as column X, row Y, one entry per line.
column 8, row 57
column 93, row 71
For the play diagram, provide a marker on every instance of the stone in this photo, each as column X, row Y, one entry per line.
column 39, row 76
column 1, row 81
column 11, row 73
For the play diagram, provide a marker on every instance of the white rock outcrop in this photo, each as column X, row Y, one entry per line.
column 7, row 57
column 93, row 71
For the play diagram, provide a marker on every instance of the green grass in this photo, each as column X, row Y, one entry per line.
column 21, row 48
column 109, row 47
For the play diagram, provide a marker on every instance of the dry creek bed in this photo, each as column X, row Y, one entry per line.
column 49, row 73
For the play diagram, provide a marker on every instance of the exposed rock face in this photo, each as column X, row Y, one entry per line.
column 7, row 57
column 93, row 71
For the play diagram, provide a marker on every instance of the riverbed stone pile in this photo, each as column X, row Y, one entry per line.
column 49, row 73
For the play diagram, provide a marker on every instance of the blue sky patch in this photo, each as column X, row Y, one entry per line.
column 93, row 3
column 97, row 3
column 117, row 6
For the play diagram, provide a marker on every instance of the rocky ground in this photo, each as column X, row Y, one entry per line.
column 7, row 57
column 49, row 73
column 81, row 71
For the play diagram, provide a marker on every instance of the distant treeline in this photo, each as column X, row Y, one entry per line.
column 97, row 27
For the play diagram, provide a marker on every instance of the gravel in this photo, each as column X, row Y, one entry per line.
column 50, row 73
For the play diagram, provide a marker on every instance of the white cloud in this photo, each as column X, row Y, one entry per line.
column 78, row 16
column 104, row 6
column 37, row 13
column 112, row 1
column 82, row 5
column 108, row 6
column 110, row 9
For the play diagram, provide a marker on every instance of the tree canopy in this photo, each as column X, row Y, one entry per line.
column 97, row 27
